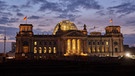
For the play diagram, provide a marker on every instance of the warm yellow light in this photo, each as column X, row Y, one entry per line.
column 83, row 54
column 40, row 50
column 73, row 45
column 50, row 50
column 68, row 45
column 128, row 54
column 106, row 42
column 35, row 43
column 35, row 49
column 54, row 49
column 44, row 49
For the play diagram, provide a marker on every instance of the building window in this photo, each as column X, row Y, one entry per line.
column 116, row 50
column 93, row 43
column 107, row 49
column 98, row 49
column 93, row 50
column 98, row 43
column 50, row 50
column 89, row 50
column 40, row 43
column 102, row 43
column 25, row 43
column 54, row 49
column 54, row 43
column 106, row 43
column 45, row 43
column 25, row 49
column 35, row 43
column 50, row 43
column 44, row 49
column 102, row 49
column 115, row 43
column 89, row 43
column 40, row 50
column 35, row 49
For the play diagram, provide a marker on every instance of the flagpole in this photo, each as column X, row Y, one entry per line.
column 112, row 22
column 26, row 21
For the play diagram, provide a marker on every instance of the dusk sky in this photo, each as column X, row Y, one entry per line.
column 45, row 14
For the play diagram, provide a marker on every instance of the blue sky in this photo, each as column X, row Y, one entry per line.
column 45, row 14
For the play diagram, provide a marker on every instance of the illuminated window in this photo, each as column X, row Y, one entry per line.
column 50, row 50
column 35, row 43
column 40, row 56
column 98, row 50
column 35, row 49
column 102, row 49
column 54, row 49
column 44, row 49
column 40, row 50
column 89, row 50
column 25, row 49
column 64, row 27
column 107, row 49
column 106, row 42
column 93, row 49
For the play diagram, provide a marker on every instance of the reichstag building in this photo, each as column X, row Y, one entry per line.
column 68, row 40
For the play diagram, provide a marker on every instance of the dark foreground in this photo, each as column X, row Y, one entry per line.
column 103, row 67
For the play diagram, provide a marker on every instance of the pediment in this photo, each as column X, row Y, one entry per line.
column 74, row 33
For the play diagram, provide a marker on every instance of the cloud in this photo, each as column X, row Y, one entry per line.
column 71, row 17
column 5, row 14
column 34, row 17
column 20, row 14
column 124, row 8
column 131, row 22
column 66, row 8
column 129, row 39
column 3, row 5
column 50, row 6
column 67, row 5
column 6, row 20
column 44, row 25
column 15, row 8
column 26, row 5
column 101, row 13
column 10, row 32
column 86, row 4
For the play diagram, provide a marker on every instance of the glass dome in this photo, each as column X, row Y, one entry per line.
column 65, row 25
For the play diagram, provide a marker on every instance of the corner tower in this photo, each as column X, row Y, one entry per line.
column 24, row 41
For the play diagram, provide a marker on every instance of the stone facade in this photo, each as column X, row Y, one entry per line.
column 67, row 40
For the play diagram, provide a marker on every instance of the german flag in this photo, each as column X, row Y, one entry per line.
column 111, row 20
column 25, row 18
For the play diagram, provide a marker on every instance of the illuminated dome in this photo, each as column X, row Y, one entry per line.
column 65, row 25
